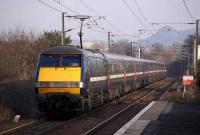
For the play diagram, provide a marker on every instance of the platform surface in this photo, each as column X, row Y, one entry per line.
column 164, row 118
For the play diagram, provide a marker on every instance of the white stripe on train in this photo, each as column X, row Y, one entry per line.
column 102, row 78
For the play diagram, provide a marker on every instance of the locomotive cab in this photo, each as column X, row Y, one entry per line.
column 58, row 77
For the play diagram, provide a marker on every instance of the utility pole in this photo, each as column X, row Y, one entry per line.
column 188, row 68
column 131, row 48
column 63, row 28
column 195, row 49
column 109, row 47
column 82, row 18
column 194, row 56
column 81, row 33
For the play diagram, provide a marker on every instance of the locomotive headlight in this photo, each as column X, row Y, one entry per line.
column 74, row 84
column 81, row 84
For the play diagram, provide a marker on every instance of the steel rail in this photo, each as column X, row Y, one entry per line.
column 104, row 123
column 21, row 127
column 52, row 126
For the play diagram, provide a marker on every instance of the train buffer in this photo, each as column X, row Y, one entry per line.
column 164, row 118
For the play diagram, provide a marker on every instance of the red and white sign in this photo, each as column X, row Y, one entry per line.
column 188, row 80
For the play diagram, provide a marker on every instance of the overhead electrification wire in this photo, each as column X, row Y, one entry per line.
column 58, row 10
column 139, row 9
column 75, row 12
column 188, row 10
column 114, row 27
column 184, row 23
column 145, row 18
column 91, row 10
column 106, row 20
column 96, row 30
column 64, row 6
column 67, row 8
column 131, row 10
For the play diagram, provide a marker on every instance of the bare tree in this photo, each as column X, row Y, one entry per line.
column 123, row 47
column 19, row 53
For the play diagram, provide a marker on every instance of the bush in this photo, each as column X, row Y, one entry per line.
column 6, row 114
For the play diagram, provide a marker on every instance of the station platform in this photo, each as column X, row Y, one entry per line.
column 164, row 118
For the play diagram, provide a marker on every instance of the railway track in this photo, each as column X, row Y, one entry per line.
column 21, row 127
column 91, row 118
column 99, row 119
column 103, row 127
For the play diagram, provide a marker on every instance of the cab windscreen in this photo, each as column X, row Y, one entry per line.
column 60, row 61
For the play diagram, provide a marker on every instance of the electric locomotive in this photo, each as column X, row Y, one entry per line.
column 70, row 78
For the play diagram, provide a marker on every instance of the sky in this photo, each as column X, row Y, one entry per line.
column 122, row 17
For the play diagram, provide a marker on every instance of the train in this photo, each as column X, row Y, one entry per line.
column 69, row 78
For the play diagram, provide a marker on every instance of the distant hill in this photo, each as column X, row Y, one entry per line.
column 167, row 35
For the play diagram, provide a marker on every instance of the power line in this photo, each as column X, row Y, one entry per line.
column 64, row 6
column 178, row 23
column 96, row 30
column 141, row 12
column 58, row 10
column 91, row 10
column 139, row 9
column 106, row 20
column 113, row 26
column 126, row 4
column 58, row 2
column 68, row 14
column 188, row 10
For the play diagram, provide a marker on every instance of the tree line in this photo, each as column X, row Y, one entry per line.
column 19, row 51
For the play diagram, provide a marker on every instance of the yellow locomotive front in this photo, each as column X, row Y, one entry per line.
column 58, row 82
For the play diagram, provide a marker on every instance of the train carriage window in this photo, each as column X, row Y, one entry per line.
column 116, row 68
column 101, row 66
column 97, row 67
column 139, row 67
column 121, row 68
column 90, row 66
column 112, row 68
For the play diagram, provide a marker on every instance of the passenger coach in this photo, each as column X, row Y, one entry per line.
column 69, row 78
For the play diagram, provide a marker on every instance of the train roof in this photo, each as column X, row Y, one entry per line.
column 125, row 57
column 63, row 49
column 70, row 49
